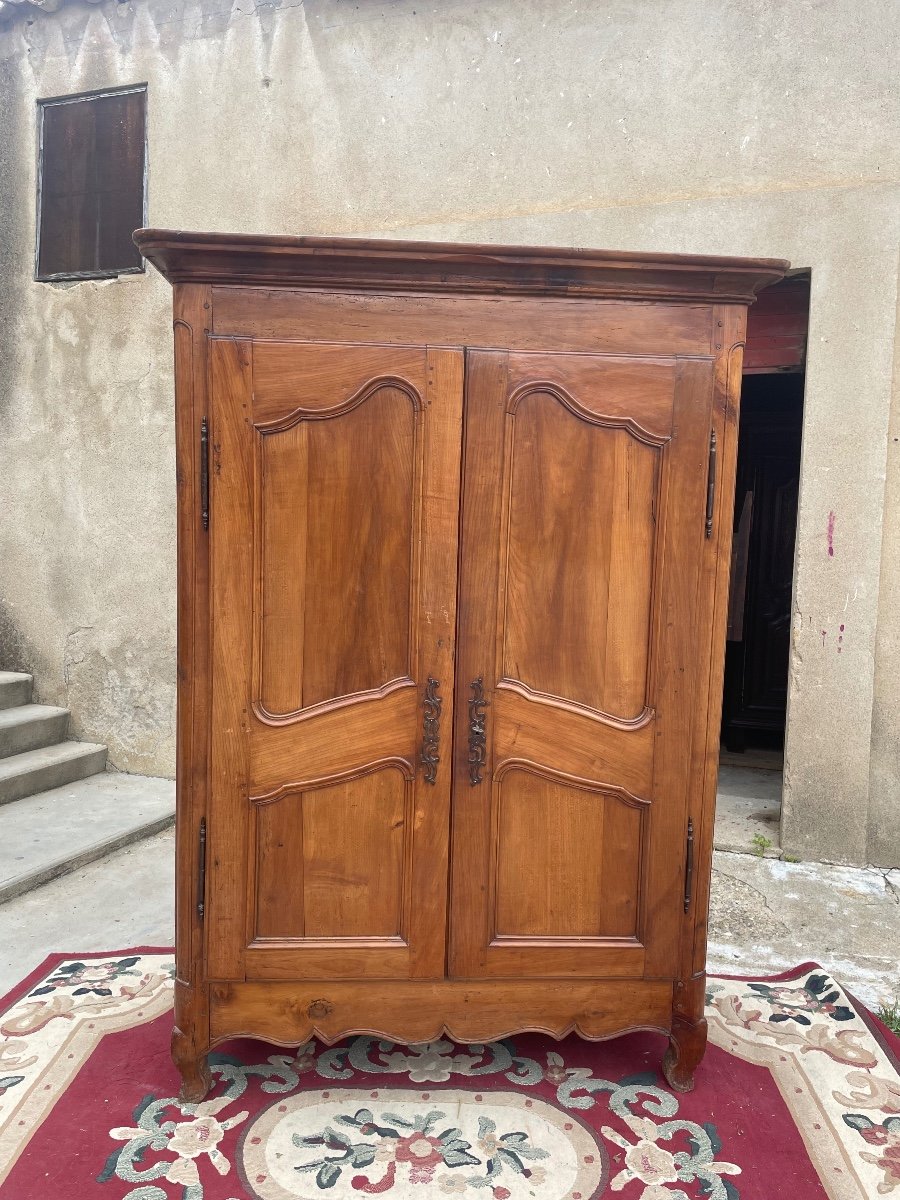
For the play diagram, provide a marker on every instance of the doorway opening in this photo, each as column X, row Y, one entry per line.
column 757, row 655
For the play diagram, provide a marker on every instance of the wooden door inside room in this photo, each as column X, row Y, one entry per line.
column 335, row 495
column 583, row 529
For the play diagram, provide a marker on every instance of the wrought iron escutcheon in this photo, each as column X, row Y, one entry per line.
column 477, row 730
column 431, row 729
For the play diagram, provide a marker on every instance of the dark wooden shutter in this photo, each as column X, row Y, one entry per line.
column 92, row 185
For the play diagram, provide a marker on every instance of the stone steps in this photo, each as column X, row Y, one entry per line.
column 15, row 688
column 61, row 830
column 61, row 809
column 34, row 754
column 34, row 771
column 31, row 727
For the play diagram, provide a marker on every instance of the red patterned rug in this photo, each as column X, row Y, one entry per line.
column 798, row 1097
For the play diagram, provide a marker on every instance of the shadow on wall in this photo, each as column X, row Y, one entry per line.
column 15, row 653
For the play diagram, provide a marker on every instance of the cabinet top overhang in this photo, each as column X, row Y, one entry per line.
column 374, row 265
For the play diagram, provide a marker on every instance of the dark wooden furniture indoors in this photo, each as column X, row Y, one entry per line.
column 757, row 651
column 454, row 530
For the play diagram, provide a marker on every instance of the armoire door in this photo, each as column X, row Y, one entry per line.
column 583, row 527
column 334, row 479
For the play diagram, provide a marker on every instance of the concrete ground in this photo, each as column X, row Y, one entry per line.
column 766, row 915
column 126, row 899
column 748, row 810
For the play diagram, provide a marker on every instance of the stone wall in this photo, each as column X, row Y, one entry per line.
column 768, row 127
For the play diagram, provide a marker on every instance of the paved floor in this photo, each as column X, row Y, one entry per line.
column 766, row 915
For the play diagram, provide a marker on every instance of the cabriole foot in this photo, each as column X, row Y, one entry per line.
column 687, row 1043
column 193, row 1067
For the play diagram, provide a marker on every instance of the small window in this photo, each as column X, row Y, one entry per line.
column 91, row 195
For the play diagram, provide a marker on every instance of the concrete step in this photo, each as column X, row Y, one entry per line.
column 50, row 767
column 30, row 726
column 65, row 828
column 15, row 688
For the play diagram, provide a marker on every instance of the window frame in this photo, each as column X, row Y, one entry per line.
column 77, row 98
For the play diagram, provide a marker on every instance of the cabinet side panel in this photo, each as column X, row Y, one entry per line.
column 679, row 681
column 232, row 597
column 713, row 612
column 192, row 317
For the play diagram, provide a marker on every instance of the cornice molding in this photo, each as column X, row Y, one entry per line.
column 373, row 265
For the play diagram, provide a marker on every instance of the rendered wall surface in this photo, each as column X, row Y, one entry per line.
column 762, row 128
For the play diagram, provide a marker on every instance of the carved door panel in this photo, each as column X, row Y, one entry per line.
column 582, row 531
column 334, row 511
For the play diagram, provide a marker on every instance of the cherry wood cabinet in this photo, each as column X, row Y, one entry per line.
column 454, row 527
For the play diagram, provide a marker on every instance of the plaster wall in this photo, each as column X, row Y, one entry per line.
column 766, row 128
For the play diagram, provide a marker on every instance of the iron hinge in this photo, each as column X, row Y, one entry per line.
column 711, row 483
column 201, row 870
column 689, row 865
column 204, row 472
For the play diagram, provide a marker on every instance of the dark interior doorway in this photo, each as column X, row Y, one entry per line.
column 765, row 522
column 757, row 656
column 759, row 619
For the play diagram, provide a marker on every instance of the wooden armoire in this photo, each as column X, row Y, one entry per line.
column 454, row 526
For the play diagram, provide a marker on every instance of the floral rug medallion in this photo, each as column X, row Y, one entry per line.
column 353, row 1142
column 798, row 1098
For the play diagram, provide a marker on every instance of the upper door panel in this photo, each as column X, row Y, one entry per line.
column 581, row 471
column 337, row 509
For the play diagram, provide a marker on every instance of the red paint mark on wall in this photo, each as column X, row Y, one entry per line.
column 840, row 639
column 830, row 534
column 824, row 636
